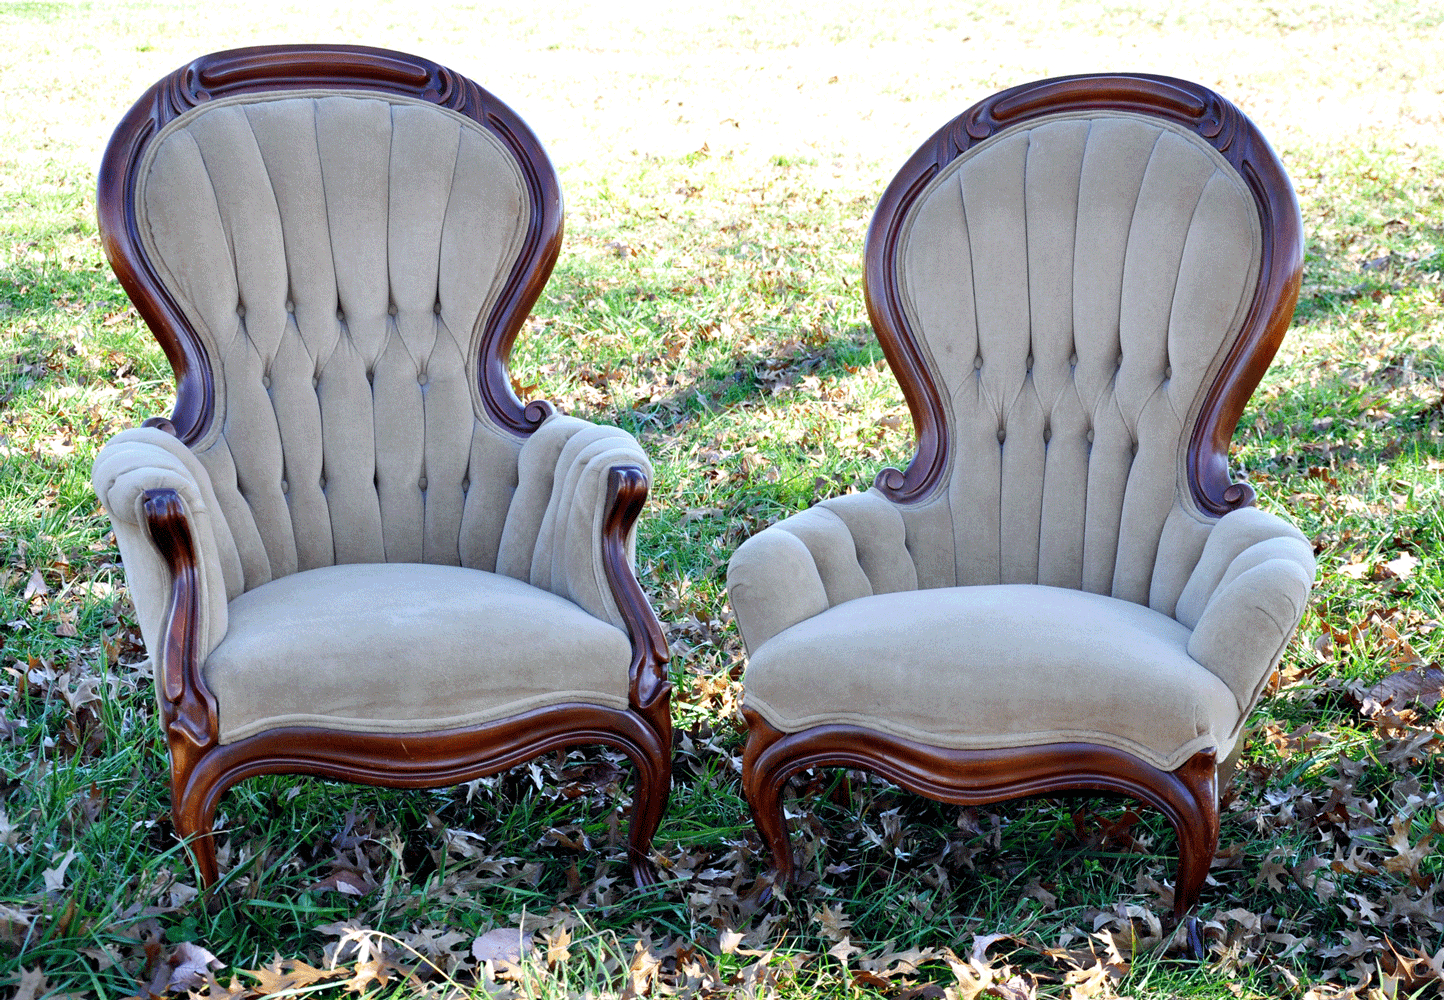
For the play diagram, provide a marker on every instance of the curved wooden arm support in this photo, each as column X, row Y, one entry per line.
column 188, row 708
column 627, row 487
column 1186, row 796
column 1186, row 104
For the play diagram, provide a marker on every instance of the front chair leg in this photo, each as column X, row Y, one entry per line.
column 654, row 787
column 1197, row 830
column 763, row 785
column 1196, row 824
column 193, row 810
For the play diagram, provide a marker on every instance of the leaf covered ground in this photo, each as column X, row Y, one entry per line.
column 720, row 167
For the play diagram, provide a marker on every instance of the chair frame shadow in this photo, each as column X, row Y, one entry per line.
column 202, row 768
column 1187, row 796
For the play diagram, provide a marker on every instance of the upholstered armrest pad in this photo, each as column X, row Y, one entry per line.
column 553, row 532
column 1246, row 597
column 143, row 459
column 842, row 549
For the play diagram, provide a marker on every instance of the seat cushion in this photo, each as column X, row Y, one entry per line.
column 405, row 647
column 997, row 666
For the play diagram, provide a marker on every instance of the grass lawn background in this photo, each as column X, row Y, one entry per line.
column 719, row 167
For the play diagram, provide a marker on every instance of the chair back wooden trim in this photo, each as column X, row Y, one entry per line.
column 1186, row 104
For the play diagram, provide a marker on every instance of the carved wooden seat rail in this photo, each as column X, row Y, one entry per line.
column 353, row 552
column 1078, row 283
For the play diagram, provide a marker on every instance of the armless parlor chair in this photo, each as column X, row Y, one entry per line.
column 352, row 551
column 1078, row 284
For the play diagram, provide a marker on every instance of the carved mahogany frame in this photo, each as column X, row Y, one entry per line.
column 202, row 768
column 1188, row 794
column 1189, row 105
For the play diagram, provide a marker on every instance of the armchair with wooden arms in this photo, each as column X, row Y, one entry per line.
column 353, row 552
column 1078, row 283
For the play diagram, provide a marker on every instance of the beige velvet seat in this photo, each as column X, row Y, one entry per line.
column 353, row 552
column 1078, row 283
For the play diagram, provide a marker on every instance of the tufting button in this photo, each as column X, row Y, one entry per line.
column 315, row 381
column 436, row 307
column 977, row 362
column 1135, row 447
column 371, row 375
column 290, row 306
column 1030, row 362
column 285, row 486
column 1073, row 359
column 341, row 314
column 1047, row 434
column 266, row 381
column 391, row 309
column 465, row 485
column 1001, row 434
column 421, row 378
column 323, row 482
column 240, row 310
column 422, row 482
column 1120, row 359
column 1090, row 435
column 1168, row 371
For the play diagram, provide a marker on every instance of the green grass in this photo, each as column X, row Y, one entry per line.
column 719, row 169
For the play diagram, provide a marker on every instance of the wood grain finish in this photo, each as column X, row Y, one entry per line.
column 201, row 767
column 1185, row 104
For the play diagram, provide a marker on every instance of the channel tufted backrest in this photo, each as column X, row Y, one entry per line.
column 1064, row 293
column 336, row 254
column 345, row 267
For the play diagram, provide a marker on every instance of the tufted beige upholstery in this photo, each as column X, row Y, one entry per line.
column 335, row 254
column 387, row 546
column 1074, row 283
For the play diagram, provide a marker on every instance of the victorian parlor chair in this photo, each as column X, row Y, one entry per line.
column 1078, row 284
column 353, row 552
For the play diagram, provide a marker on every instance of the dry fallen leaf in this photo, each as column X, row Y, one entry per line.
column 36, row 587
column 1402, row 567
column 276, row 978
column 55, row 877
column 1355, row 570
column 32, row 984
column 834, row 922
column 188, row 967
column 728, row 941
column 504, row 944
column 1400, row 690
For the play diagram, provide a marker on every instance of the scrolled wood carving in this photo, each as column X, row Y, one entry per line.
column 1186, row 796
column 1185, row 104
column 429, row 760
